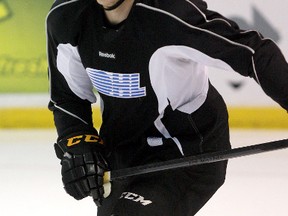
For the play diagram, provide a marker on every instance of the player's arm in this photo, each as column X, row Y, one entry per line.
column 246, row 52
column 81, row 151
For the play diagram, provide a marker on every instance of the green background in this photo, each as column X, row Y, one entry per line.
column 23, row 65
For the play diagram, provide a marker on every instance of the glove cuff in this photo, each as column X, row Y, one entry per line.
column 78, row 143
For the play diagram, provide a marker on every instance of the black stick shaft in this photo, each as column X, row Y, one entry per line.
column 199, row 159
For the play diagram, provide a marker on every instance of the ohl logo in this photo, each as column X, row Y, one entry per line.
column 5, row 11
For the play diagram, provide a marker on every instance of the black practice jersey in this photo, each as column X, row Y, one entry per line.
column 155, row 60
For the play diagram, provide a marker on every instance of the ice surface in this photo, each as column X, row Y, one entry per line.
column 30, row 182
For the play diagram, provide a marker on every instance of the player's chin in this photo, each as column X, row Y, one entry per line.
column 107, row 3
column 110, row 4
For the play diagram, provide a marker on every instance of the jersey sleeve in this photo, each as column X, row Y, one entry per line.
column 246, row 51
column 70, row 87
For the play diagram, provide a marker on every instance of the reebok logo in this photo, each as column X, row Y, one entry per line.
column 135, row 197
column 107, row 55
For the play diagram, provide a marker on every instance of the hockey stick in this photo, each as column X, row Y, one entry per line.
column 196, row 160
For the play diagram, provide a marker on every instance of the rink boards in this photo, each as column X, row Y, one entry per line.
column 240, row 117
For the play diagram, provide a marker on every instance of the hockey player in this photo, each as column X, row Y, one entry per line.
column 147, row 59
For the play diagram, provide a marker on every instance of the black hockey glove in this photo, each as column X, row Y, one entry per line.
column 83, row 166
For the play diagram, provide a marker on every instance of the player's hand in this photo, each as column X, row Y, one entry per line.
column 83, row 166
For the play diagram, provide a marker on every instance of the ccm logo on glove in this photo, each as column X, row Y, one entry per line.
column 86, row 138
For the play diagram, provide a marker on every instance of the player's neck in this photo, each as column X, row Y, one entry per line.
column 119, row 14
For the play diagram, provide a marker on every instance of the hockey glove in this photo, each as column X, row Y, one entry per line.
column 83, row 166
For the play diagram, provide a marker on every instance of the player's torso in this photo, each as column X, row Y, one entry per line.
column 122, row 65
column 117, row 62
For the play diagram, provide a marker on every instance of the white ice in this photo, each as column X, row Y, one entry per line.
column 30, row 182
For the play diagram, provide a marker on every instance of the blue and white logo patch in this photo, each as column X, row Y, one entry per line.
column 116, row 84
